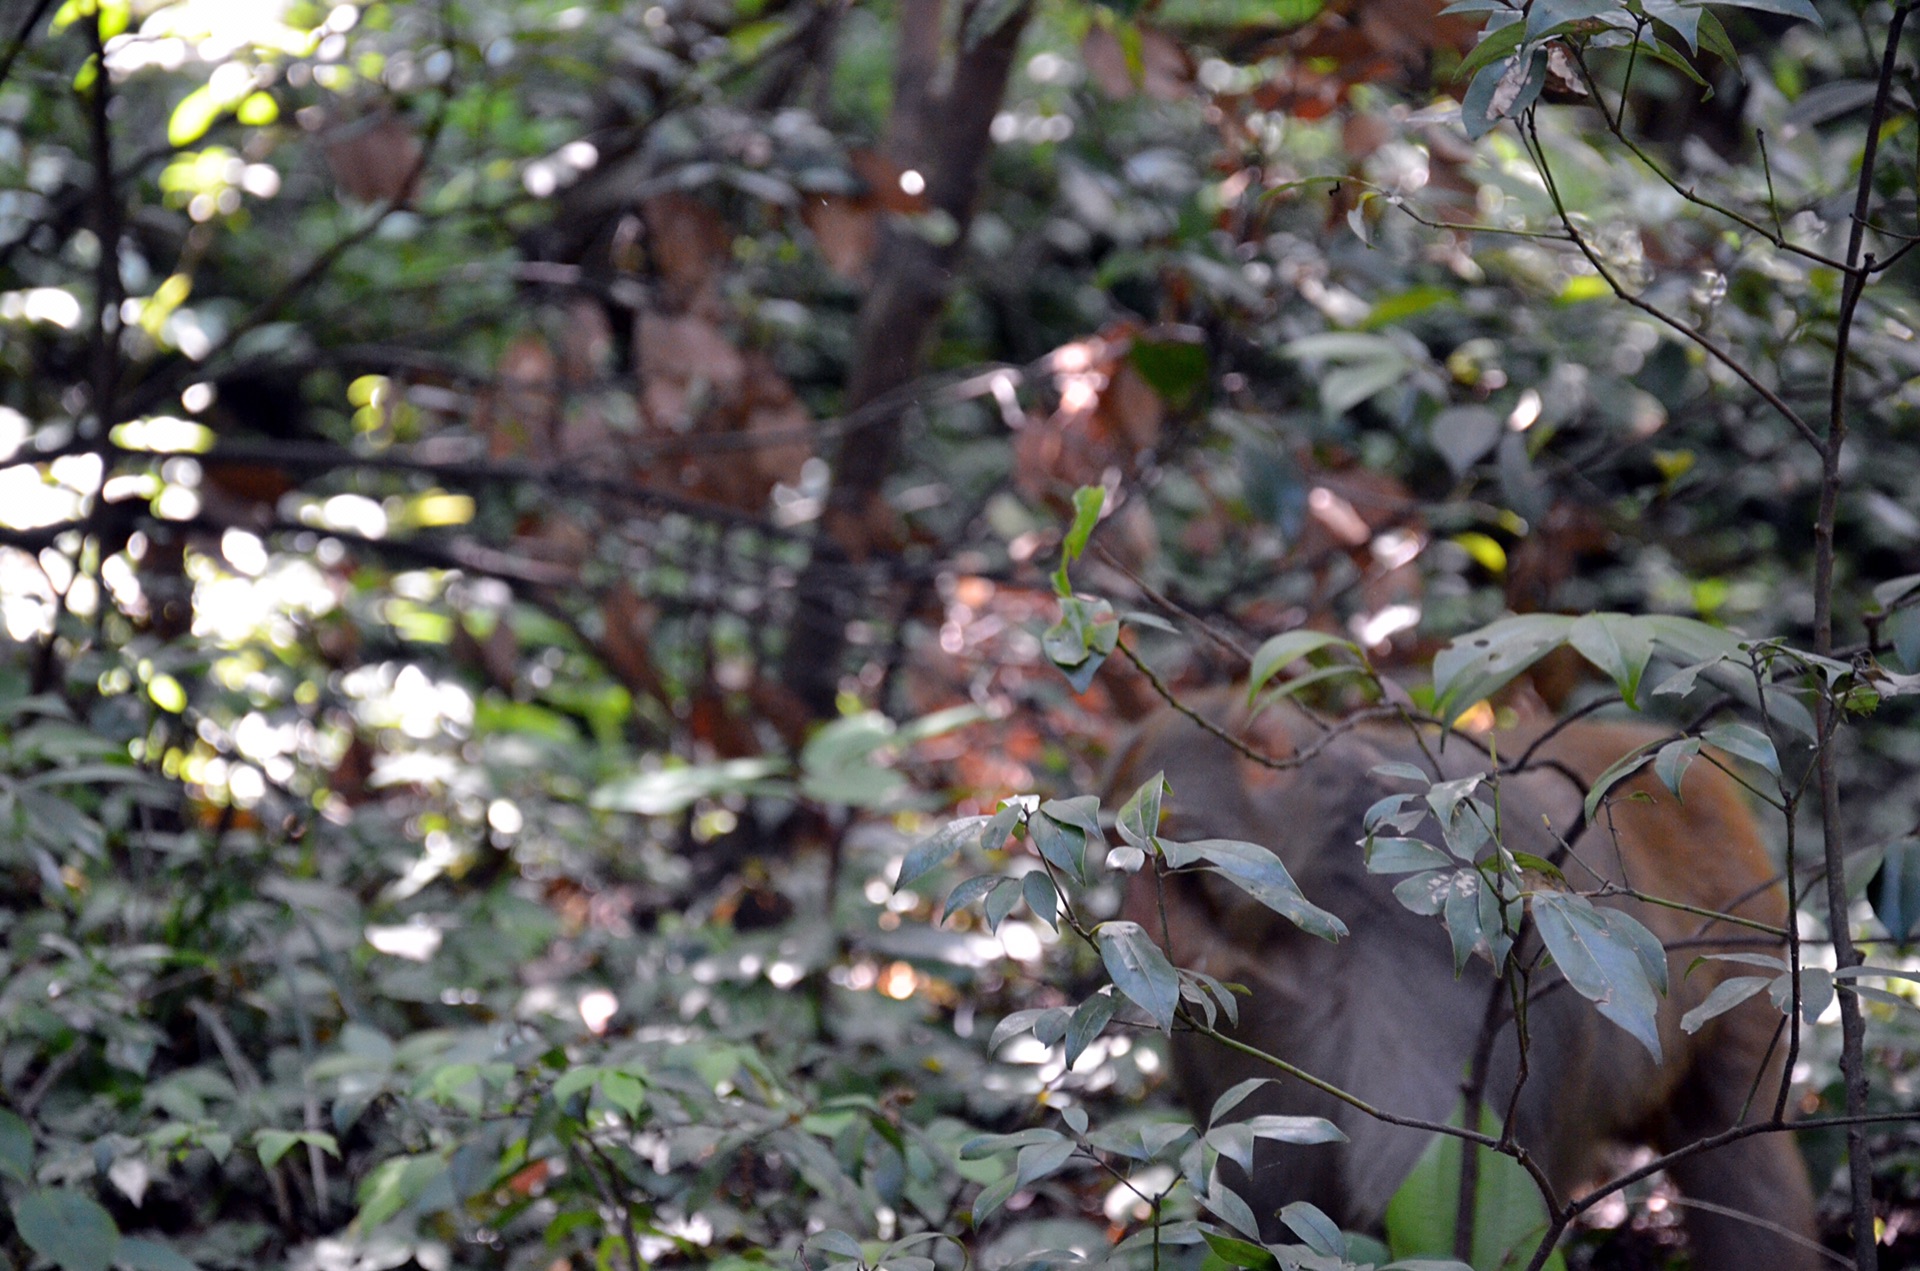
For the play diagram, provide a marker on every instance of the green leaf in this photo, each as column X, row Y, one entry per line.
column 1745, row 742
column 1041, row 898
column 1483, row 662
column 1546, row 15
column 1040, row 1160
column 271, row 1145
column 1259, row 873
column 1509, row 1217
column 1060, row 845
column 1299, row 1130
column 1505, row 90
column 1320, row 1233
column 1081, row 812
column 1614, row 773
column 1226, row 1203
column 624, row 1091
column 1671, row 761
column 193, row 116
column 1684, row 19
column 1802, row 9
column 1903, row 632
column 1894, row 892
column 1494, row 44
column 67, row 1228
column 1087, row 502
column 837, row 1243
column 1175, row 369
column 1464, row 435
column 16, row 1148
column 1600, row 963
column 1001, row 901
column 992, row 1198
column 394, row 1184
column 1140, row 970
column 1240, row 1253
column 982, row 1146
column 1089, row 1019
column 937, row 848
column 137, row 1253
column 1234, row 1097
column 1618, row 646
column 1646, row 945
column 1078, row 644
column 1284, row 649
column 672, row 790
column 1714, row 36
column 1403, row 856
column 1726, row 995
column 968, row 892
column 1139, row 819
column 1894, row 590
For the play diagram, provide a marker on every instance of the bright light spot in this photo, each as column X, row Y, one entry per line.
column 416, row 942
column 898, row 981
column 244, row 552
column 28, row 501
column 1526, row 412
column 1393, row 548
column 911, row 182
column 1072, row 359
column 41, row 304
column 196, row 398
column 230, row 81
column 1124, row 1203
column 1340, row 517
column 348, row 513
column 164, row 434
column 1147, row 1061
column 261, row 180
column 246, row 785
column 177, row 503
column 1021, row 941
column 784, row 975
column 1005, row 127
column 540, row 179
column 580, row 155
column 79, row 473
column 1044, row 68
column 1375, row 630
column 504, row 817
column 232, row 611
column 342, row 18
column 597, row 1009
column 26, row 599
column 14, row 431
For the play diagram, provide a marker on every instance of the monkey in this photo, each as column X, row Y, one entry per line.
column 1383, row 1015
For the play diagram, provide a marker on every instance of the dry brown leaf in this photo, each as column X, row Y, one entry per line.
column 847, row 231
column 374, row 160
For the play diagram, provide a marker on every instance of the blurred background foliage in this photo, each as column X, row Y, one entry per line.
column 453, row 457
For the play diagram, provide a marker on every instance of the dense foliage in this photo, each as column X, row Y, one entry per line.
column 517, row 518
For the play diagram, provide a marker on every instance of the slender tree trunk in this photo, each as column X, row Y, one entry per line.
column 943, row 109
column 1866, row 1254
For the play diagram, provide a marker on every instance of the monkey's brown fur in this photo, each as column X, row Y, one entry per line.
column 1383, row 1016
